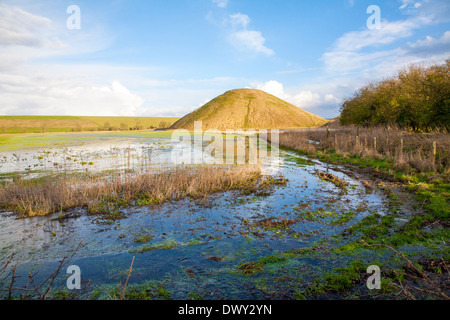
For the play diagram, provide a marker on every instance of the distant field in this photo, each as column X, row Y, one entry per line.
column 12, row 142
column 42, row 124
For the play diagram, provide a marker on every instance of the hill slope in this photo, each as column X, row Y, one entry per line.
column 249, row 109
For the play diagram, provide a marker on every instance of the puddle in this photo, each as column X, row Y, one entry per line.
column 192, row 246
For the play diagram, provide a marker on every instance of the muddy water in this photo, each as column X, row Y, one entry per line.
column 197, row 245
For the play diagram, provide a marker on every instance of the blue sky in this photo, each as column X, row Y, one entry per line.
column 168, row 57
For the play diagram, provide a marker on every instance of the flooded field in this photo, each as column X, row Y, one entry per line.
column 231, row 245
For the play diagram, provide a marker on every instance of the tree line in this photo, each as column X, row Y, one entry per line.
column 417, row 98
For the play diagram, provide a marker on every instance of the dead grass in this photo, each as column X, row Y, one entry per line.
column 340, row 183
column 415, row 150
column 106, row 194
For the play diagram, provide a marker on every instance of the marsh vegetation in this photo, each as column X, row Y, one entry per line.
column 214, row 232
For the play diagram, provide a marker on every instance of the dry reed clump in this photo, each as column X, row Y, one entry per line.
column 423, row 152
column 105, row 195
column 340, row 183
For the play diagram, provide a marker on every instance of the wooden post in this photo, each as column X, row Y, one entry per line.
column 434, row 152
column 357, row 143
column 375, row 143
column 401, row 149
column 328, row 135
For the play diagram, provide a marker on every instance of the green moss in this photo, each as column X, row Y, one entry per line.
column 163, row 245
column 144, row 238
column 317, row 215
column 435, row 203
column 146, row 291
column 251, row 268
column 271, row 260
column 301, row 161
column 194, row 296
column 347, row 248
column 344, row 218
column 338, row 281
column 434, row 194
column 299, row 296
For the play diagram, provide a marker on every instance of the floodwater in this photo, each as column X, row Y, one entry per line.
column 197, row 245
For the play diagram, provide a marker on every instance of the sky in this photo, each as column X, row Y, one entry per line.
column 169, row 57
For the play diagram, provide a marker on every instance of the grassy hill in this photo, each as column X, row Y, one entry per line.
column 249, row 109
column 40, row 124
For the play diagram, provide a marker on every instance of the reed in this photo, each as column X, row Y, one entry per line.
column 106, row 194
column 423, row 152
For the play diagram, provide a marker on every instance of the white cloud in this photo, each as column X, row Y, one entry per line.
column 221, row 3
column 366, row 51
column 250, row 41
column 429, row 46
column 346, row 61
column 239, row 20
column 21, row 28
column 389, row 32
column 241, row 37
column 410, row 4
column 27, row 88
column 305, row 99
column 273, row 87
column 384, row 63
column 434, row 10
column 55, row 95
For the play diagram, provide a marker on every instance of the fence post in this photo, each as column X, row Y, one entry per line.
column 434, row 152
column 401, row 149
column 375, row 143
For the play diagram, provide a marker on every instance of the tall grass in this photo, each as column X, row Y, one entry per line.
column 421, row 152
column 106, row 194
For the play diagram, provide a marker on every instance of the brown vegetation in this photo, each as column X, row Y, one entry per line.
column 423, row 152
column 105, row 195
column 340, row 183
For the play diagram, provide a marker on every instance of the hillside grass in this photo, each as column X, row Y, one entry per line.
column 249, row 109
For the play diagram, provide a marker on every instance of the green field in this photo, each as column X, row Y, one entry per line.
column 13, row 142
column 43, row 124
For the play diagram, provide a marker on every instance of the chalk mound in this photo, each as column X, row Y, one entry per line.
column 249, row 109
